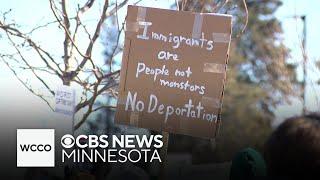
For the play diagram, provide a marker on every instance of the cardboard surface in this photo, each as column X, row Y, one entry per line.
column 173, row 71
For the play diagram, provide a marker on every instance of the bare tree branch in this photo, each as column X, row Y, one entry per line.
column 94, row 38
column 66, row 42
column 116, row 8
column 84, row 104
column 15, row 32
column 87, row 6
column 25, row 85
column 26, row 62
column 247, row 18
column 91, row 101
column 103, row 107
column 67, row 32
column 92, row 78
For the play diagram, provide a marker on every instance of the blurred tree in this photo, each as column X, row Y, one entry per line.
column 258, row 78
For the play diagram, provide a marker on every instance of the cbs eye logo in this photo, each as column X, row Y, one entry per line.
column 67, row 141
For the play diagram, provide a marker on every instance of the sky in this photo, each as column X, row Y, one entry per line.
column 19, row 107
column 15, row 97
column 293, row 28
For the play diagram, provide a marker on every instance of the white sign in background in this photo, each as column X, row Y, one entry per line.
column 65, row 100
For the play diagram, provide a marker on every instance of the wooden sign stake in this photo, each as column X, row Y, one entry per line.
column 163, row 155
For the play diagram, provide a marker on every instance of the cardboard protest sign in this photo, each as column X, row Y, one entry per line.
column 173, row 70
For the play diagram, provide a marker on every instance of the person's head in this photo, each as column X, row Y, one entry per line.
column 293, row 150
column 248, row 164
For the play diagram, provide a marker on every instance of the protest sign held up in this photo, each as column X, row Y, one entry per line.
column 173, row 70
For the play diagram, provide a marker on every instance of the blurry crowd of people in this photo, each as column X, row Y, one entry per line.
column 292, row 152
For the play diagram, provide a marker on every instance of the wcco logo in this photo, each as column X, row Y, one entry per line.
column 35, row 147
